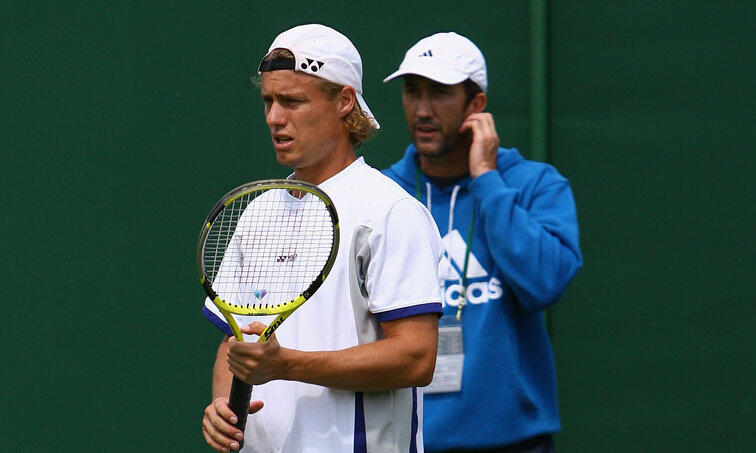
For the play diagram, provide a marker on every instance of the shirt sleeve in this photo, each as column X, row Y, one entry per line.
column 402, row 276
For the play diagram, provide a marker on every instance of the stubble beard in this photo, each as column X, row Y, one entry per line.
column 438, row 149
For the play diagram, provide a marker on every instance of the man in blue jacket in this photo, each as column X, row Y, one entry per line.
column 511, row 237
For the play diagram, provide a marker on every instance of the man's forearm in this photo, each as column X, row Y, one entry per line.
column 405, row 358
column 221, row 386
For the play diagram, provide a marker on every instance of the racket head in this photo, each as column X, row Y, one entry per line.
column 267, row 246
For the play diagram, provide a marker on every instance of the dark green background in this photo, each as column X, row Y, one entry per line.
column 122, row 122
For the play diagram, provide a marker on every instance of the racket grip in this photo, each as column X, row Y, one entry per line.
column 238, row 401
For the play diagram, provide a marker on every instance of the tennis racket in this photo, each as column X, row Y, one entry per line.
column 264, row 249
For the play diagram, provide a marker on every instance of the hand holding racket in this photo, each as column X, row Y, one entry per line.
column 264, row 249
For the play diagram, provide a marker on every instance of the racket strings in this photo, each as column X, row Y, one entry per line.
column 265, row 248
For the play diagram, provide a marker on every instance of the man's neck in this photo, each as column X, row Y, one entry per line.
column 446, row 165
column 444, row 182
column 325, row 169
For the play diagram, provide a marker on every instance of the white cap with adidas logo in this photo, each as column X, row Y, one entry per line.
column 447, row 58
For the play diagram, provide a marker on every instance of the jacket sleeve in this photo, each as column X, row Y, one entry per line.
column 532, row 236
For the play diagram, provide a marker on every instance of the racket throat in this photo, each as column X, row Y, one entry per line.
column 232, row 324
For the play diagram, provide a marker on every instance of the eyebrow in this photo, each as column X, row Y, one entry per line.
column 285, row 96
column 417, row 80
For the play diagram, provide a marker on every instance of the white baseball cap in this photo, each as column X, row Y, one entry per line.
column 447, row 58
column 323, row 52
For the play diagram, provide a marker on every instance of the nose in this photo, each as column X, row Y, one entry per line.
column 423, row 107
column 274, row 115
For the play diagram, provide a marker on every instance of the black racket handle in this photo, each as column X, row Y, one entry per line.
column 238, row 401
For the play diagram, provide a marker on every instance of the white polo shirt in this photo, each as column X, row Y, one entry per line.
column 386, row 269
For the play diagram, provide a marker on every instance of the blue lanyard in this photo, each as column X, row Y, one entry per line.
column 468, row 244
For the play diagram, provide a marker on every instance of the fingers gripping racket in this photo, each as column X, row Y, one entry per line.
column 264, row 249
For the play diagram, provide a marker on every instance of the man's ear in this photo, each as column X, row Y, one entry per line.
column 347, row 98
column 477, row 104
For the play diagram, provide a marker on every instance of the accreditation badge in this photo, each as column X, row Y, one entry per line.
column 447, row 377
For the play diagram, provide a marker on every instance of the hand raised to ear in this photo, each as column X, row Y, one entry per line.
column 485, row 142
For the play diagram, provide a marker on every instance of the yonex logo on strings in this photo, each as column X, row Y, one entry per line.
column 286, row 258
column 313, row 65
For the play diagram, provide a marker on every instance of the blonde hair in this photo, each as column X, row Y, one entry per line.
column 357, row 122
column 359, row 125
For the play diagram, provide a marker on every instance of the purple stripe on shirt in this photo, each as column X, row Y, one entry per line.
column 406, row 312
column 415, row 424
column 360, row 436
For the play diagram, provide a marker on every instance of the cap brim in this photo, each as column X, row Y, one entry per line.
column 366, row 109
column 440, row 74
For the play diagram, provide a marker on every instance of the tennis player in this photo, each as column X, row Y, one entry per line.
column 511, row 250
column 341, row 374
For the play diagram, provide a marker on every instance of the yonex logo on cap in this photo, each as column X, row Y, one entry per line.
column 312, row 65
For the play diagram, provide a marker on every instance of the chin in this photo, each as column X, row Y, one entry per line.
column 285, row 160
column 428, row 150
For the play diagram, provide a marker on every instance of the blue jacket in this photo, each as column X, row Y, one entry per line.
column 523, row 253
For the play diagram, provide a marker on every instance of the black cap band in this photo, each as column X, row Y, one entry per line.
column 275, row 64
